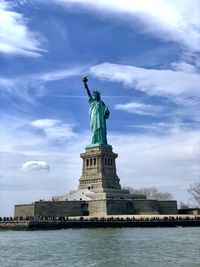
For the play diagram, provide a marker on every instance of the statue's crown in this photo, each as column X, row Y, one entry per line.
column 96, row 92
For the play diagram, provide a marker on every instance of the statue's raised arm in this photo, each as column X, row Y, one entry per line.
column 85, row 79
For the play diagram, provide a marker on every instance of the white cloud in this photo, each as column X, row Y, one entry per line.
column 15, row 36
column 13, row 135
column 44, row 123
column 175, row 84
column 185, row 67
column 176, row 21
column 55, row 129
column 59, row 74
column 35, row 166
column 140, row 108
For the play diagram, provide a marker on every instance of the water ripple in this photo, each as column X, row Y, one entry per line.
column 140, row 247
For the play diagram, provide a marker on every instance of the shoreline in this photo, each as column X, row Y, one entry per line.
column 103, row 222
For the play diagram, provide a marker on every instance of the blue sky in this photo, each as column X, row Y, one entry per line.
column 144, row 58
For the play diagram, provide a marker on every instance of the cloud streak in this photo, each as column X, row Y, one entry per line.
column 178, row 85
column 55, row 129
column 140, row 108
column 26, row 87
column 176, row 21
column 16, row 38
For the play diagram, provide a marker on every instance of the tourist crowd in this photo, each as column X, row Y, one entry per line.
column 132, row 218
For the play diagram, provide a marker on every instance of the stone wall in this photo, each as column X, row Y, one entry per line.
column 146, row 206
column 123, row 207
column 61, row 208
column 167, row 207
column 14, row 225
column 116, row 207
column 97, row 207
column 24, row 210
column 142, row 206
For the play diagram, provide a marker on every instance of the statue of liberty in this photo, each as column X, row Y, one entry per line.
column 98, row 114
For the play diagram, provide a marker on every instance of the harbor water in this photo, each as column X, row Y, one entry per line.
column 101, row 247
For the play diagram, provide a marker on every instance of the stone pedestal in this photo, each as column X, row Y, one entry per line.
column 99, row 169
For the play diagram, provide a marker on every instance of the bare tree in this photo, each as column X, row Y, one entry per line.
column 183, row 205
column 151, row 193
column 194, row 191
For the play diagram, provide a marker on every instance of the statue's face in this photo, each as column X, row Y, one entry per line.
column 96, row 96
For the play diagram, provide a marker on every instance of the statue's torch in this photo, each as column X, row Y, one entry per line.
column 85, row 79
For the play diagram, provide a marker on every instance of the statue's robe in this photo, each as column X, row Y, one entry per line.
column 98, row 114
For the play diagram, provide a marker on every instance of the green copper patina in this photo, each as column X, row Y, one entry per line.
column 98, row 114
